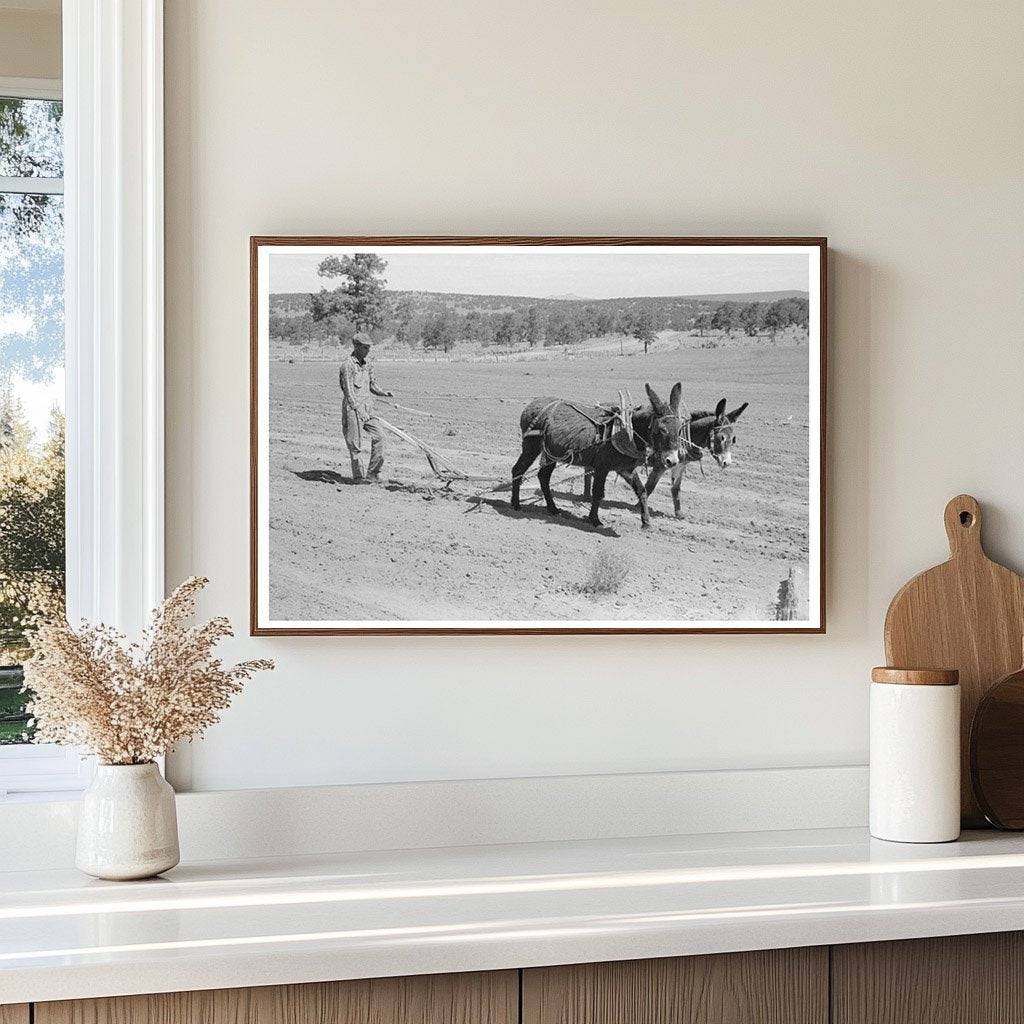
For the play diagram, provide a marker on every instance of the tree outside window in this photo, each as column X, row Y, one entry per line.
column 31, row 387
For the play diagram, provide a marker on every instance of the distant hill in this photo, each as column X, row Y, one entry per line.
column 447, row 320
column 748, row 296
column 298, row 301
column 594, row 317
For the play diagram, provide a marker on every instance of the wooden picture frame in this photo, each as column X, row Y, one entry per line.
column 329, row 514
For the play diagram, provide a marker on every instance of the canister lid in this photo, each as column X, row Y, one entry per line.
column 916, row 676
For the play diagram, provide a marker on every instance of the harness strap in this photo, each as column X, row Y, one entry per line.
column 624, row 441
column 600, row 424
column 603, row 427
column 541, row 431
column 693, row 451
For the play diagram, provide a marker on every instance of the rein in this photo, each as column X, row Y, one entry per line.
column 695, row 452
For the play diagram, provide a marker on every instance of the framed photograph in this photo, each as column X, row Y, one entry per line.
column 537, row 435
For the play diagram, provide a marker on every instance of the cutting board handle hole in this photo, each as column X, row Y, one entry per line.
column 966, row 519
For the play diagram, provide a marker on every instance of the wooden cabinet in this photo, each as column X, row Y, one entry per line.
column 963, row 979
column 970, row 979
column 777, row 986
column 491, row 998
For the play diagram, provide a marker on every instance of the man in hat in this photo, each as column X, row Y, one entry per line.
column 358, row 386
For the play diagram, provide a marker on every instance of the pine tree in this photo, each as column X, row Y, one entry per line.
column 774, row 320
column 440, row 331
column 642, row 327
column 361, row 298
column 15, row 429
column 474, row 330
column 604, row 322
column 401, row 315
column 533, row 328
column 505, row 332
column 752, row 318
column 31, row 525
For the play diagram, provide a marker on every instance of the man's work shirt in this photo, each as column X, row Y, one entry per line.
column 358, row 384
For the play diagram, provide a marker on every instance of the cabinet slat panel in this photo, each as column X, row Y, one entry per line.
column 779, row 986
column 479, row 998
column 961, row 979
column 14, row 1013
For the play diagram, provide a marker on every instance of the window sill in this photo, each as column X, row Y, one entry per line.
column 44, row 771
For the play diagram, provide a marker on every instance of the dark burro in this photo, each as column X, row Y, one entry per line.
column 602, row 439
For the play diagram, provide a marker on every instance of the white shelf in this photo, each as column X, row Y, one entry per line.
column 351, row 915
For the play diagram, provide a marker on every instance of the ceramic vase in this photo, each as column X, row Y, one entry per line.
column 127, row 825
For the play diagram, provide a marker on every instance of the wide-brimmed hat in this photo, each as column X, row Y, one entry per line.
column 362, row 338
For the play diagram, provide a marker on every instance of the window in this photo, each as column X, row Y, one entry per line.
column 107, row 143
column 32, row 548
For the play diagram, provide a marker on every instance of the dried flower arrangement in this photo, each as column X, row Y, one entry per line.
column 130, row 703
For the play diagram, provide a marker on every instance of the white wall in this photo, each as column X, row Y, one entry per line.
column 895, row 129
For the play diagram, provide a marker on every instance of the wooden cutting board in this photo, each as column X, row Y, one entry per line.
column 967, row 614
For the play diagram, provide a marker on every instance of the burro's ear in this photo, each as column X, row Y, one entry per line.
column 737, row 413
column 658, row 405
column 720, row 409
column 674, row 398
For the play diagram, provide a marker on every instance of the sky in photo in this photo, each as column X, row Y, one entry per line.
column 547, row 273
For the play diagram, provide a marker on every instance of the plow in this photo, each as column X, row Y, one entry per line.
column 448, row 475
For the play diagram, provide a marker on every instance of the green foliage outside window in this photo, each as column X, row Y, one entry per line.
column 32, row 552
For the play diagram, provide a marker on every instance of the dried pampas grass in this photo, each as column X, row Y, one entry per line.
column 129, row 703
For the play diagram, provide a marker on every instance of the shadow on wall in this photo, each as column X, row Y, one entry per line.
column 853, row 288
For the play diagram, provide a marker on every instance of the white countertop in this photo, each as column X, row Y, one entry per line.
column 261, row 922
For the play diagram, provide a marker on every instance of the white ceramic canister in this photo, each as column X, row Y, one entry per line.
column 127, row 825
column 915, row 755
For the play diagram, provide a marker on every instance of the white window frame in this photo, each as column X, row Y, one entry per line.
column 114, row 324
column 32, row 88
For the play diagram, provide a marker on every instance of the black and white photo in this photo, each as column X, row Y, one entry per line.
column 556, row 435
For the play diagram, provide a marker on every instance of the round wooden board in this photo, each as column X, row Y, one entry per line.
column 997, row 752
